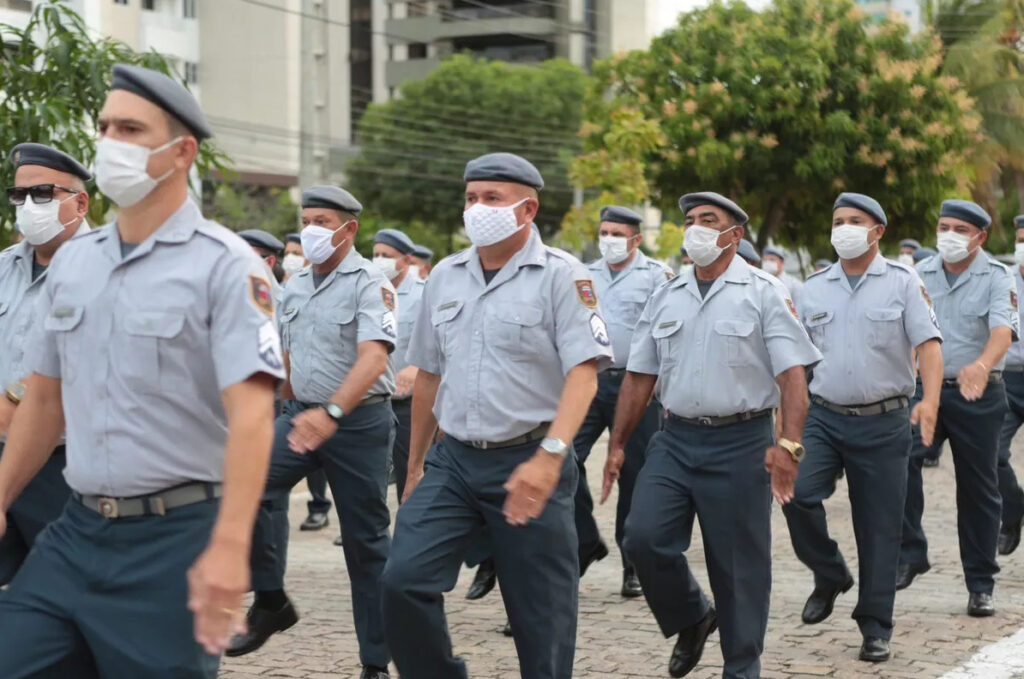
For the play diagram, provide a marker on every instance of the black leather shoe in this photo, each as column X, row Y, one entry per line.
column 690, row 645
column 909, row 571
column 374, row 673
column 930, row 462
column 507, row 629
column 315, row 521
column 339, row 541
column 483, row 581
column 631, row 584
column 262, row 624
column 1009, row 537
column 979, row 605
column 874, row 649
column 595, row 551
column 819, row 604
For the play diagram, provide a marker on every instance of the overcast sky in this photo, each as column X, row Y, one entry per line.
column 668, row 10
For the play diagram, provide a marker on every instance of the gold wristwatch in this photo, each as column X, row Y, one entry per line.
column 15, row 392
column 795, row 450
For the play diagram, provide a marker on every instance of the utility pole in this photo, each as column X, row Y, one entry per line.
column 314, row 117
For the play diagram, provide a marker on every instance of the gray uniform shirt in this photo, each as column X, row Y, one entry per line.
column 867, row 335
column 982, row 298
column 322, row 327
column 145, row 344
column 503, row 350
column 410, row 294
column 720, row 355
column 1015, row 354
column 624, row 295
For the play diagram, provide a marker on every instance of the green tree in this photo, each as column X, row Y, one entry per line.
column 248, row 206
column 782, row 109
column 52, row 89
column 413, row 149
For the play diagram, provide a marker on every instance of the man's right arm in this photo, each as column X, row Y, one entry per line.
column 423, row 425
column 34, row 433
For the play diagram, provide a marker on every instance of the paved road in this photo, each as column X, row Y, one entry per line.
column 618, row 638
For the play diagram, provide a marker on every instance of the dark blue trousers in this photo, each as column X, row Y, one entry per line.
column 716, row 475
column 601, row 416
column 41, row 502
column 107, row 598
column 400, row 449
column 317, row 484
column 356, row 461
column 973, row 433
column 1009, row 489
column 873, row 450
column 461, row 493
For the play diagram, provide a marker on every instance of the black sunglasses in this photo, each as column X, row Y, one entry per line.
column 41, row 193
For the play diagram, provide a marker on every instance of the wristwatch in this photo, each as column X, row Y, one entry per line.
column 334, row 411
column 796, row 450
column 15, row 392
column 554, row 446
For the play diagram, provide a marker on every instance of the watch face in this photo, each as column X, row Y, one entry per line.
column 334, row 410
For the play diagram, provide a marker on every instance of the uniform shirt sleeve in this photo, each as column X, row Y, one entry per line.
column 424, row 351
column 243, row 333
column 1002, row 309
column 580, row 331
column 919, row 320
column 643, row 349
column 377, row 316
column 41, row 353
column 784, row 336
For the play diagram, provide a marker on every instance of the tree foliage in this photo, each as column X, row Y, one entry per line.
column 413, row 149
column 784, row 108
column 54, row 78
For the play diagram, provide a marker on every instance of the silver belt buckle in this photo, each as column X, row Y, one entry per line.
column 853, row 411
column 706, row 421
column 482, row 445
column 108, row 507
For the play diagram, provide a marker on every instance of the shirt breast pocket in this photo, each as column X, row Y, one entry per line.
column 819, row 326
column 515, row 330
column 151, row 362
column 62, row 322
column 736, row 338
column 343, row 326
column 288, row 320
column 628, row 309
column 667, row 338
column 885, row 328
column 444, row 321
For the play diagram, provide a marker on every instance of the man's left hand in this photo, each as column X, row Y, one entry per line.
column 783, row 468
column 973, row 380
column 530, row 487
column 404, row 381
column 216, row 584
column 310, row 429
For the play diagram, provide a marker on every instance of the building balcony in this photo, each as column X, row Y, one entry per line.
column 428, row 29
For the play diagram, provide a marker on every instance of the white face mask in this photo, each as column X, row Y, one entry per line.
column 772, row 267
column 614, row 249
column 850, row 240
column 487, row 225
column 293, row 263
column 121, row 170
column 316, row 242
column 387, row 266
column 701, row 244
column 40, row 223
column 906, row 258
column 1018, row 254
column 953, row 247
column 413, row 271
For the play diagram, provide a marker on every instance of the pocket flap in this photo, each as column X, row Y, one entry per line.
column 445, row 312
column 666, row 327
column 162, row 324
column 636, row 297
column 884, row 314
column 816, row 318
column 734, row 328
column 342, row 316
column 521, row 314
column 64, row 318
column 289, row 314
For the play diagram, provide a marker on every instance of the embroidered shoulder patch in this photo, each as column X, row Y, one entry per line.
column 1013, row 298
column 259, row 292
column 599, row 330
column 585, row 291
column 792, row 308
column 927, row 297
column 388, row 298
column 669, row 275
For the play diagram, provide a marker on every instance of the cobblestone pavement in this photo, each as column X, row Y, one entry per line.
column 619, row 638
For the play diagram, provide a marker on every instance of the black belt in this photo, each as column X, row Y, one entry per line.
column 539, row 432
column 993, row 378
column 1014, row 369
column 722, row 421
column 877, row 408
column 154, row 504
column 368, row 401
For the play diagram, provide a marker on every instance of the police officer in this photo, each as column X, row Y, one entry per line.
column 51, row 202
column 293, row 261
column 338, row 326
column 1013, row 374
column 867, row 315
column 720, row 343
column 749, row 254
column 159, row 339
column 976, row 302
column 422, row 259
column 908, row 246
column 773, row 260
column 508, row 342
column 624, row 279
column 392, row 254
column 269, row 248
column 822, row 264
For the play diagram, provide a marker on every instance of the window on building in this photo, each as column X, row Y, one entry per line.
column 417, row 50
column 120, row 2
column 189, row 7
column 191, row 72
column 149, row 4
column 417, row 9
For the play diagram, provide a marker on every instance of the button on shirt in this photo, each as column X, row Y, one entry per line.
column 720, row 355
column 1015, row 354
column 867, row 335
column 410, row 293
column 982, row 298
column 623, row 297
column 503, row 349
column 322, row 327
column 145, row 344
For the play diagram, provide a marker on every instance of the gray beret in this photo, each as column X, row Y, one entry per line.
column 778, row 252
column 165, row 92
column 910, row 243
column 692, row 200
column 423, row 252
column 620, row 215
column 395, row 239
column 331, row 198
column 45, row 156
column 293, row 238
column 503, row 167
column 746, row 250
column 822, row 263
column 966, row 211
column 858, row 201
column 923, row 253
column 261, row 239
column 1018, row 222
